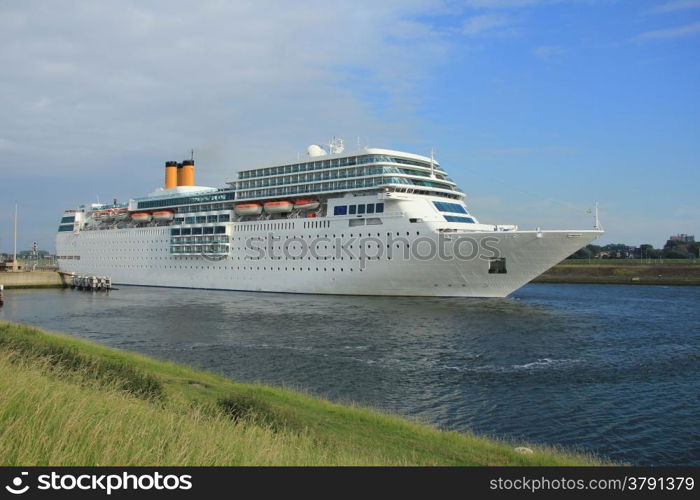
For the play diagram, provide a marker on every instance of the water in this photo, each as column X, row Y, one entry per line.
column 610, row 369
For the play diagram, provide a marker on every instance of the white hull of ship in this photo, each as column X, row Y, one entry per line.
column 141, row 256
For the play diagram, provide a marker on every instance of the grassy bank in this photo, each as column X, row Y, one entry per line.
column 627, row 272
column 65, row 401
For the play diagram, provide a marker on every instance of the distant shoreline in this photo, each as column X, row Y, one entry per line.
column 622, row 273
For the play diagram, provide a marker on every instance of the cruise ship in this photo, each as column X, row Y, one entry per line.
column 369, row 222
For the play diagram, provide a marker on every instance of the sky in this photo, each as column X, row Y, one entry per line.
column 536, row 108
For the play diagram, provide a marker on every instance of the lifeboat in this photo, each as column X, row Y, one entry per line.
column 163, row 216
column 306, row 204
column 121, row 215
column 278, row 207
column 141, row 217
column 107, row 216
column 97, row 215
column 248, row 209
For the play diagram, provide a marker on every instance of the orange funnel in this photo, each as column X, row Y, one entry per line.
column 185, row 175
column 170, row 174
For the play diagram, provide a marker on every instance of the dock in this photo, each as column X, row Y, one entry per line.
column 34, row 279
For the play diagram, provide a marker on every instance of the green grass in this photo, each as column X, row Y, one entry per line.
column 631, row 262
column 624, row 271
column 64, row 401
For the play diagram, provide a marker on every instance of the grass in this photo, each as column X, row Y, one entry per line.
column 631, row 262
column 624, row 271
column 65, row 401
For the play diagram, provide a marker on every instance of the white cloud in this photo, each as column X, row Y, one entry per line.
column 500, row 4
column 549, row 52
column 242, row 82
column 514, row 4
column 670, row 33
column 676, row 5
column 485, row 24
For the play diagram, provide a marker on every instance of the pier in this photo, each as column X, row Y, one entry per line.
column 92, row 283
column 34, row 279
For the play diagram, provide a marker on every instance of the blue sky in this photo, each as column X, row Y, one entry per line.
column 536, row 108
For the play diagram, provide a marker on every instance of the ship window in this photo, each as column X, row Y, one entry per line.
column 454, row 218
column 220, row 230
column 186, row 230
column 196, row 230
column 353, row 209
column 209, row 230
column 212, row 218
column 379, row 208
column 361, row 209
column 224, row 218
column 370, row 208
column 189, row 220
column 450, row 207
column 201, row 219
column 340, row 210
column 497, row 266
column 175, row 232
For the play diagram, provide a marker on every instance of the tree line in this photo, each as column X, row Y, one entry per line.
column 673, row 249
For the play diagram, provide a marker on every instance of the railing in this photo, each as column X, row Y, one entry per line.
column 188, row 240
column 332, row 163
column 369, row 183
column 201, row 250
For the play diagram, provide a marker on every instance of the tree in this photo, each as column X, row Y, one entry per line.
column 615, row 247
column 675, row 252
column 594, row 249
column 694, row 249
column 647, row 251
column 582, row 253
column 673, row 244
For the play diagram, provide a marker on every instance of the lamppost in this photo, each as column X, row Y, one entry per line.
column 36, row 255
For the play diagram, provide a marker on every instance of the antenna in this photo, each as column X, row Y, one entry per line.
column 14, row 257
column 336, row 146
column 596, row 218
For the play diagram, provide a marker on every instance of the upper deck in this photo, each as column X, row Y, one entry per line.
column 369, row 169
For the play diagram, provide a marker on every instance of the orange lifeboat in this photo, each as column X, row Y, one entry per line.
column 278, row 207
column 97, row 215
column 248, row 209
column 306, row 204
column 163, row 216
column 141, row 217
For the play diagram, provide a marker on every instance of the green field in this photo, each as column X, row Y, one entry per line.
column 65, row 401
column 624, row 272
column 633, row 262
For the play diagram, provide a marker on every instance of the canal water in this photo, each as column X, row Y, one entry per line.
column 613, row 370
